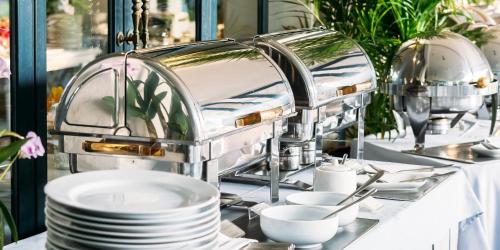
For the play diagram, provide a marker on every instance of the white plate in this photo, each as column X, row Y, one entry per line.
column 156, row 229
column 59, row 239
column 188, row 236
column 172, row 217
column 131, row 193
column 481, row 150
column 75, row 246
column 170, row 220
column 50, row 246
column 109, row 233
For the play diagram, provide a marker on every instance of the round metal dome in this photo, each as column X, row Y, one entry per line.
column 441, row 64
column 491, row 49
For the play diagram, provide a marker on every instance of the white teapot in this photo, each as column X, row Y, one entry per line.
column 335, row 177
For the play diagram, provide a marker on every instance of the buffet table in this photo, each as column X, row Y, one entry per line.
column 423, row 224
column 484, row 177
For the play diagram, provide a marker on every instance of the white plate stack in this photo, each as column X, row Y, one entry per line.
column 131, row 209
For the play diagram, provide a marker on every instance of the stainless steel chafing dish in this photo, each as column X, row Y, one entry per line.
column 331, row 78
column 202, row 110
column 437, row 77
column 491, row 49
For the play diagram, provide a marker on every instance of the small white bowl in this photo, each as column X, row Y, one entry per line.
column 327, row 200
column 298, row 224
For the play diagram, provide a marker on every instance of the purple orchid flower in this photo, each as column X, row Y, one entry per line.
column 4, row 69
column 33, row 147
column 133, row 69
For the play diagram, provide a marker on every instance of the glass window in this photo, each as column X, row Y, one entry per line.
column 5, row 187
column 236, row 18
column 239, row 18
column 77, row 33
column 290, row 15
column 171, row 21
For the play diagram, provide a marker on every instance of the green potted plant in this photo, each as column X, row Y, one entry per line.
column 24, row 147
column 380, row 27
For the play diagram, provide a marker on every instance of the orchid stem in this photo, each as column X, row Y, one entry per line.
column 13, row 135
column 7, row 169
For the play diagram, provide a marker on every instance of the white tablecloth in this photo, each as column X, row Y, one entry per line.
column 403, row 225
column 484, row 178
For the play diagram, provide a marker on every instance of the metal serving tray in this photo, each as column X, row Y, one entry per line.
column 461, row 152
column 342, row 239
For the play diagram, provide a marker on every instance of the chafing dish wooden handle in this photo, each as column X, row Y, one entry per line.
column 354, row 88
column 483, row 82
column 258, row 117
column 122, row 149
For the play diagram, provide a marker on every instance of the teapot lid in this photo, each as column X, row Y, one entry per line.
column 335, row 166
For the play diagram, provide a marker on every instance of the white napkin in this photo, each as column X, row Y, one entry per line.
column 227, row 243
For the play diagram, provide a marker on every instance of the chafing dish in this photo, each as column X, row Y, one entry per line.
column 202, row 110
column 491, row 49
column 433, row 78
column 476, row 14
column 331, row 78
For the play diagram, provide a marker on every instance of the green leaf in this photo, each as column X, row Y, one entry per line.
column 136, row 112
column 11, row 149
column 134, row 83
column 133, row 97
column 7, row 217
column 150, row 86
column 175, row 104
column 182, row 122
column 109, row 101
column 151, row 113
column 159, row 97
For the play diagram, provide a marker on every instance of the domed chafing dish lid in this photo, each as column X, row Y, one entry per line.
column 447, row 64
column 190, row 93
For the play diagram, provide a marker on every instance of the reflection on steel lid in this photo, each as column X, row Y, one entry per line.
column 447, row 59
column 322, row 65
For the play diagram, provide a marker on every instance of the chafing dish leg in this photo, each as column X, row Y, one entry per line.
column 399, row 116
column 319, row 144
column 360, row 147
column 273, row 145
column 73, row 164
column 212, row 172
column 418, row 109
column 494, row 111
column 194, row 170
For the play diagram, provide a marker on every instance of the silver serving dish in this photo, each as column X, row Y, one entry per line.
column 437, row 77
column 331, row 78
column 491, row 49
column 202, row 110
column 473, row 13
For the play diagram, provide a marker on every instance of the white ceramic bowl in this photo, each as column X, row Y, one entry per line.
column 327, row 200
column 298, row 224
